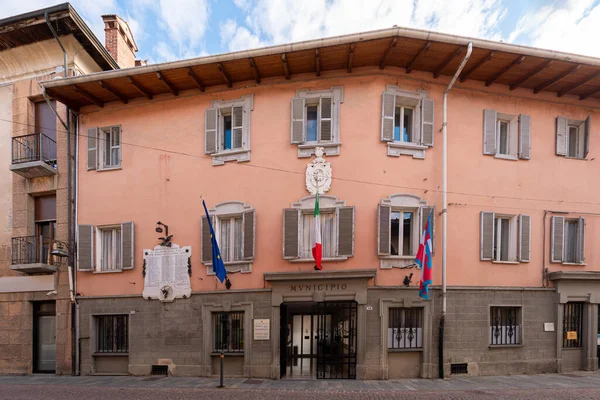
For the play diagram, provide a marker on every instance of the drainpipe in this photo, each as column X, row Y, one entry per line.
column 445, row 204
column 59, row 43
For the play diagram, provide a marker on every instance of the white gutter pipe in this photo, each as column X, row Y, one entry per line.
column 445, row 202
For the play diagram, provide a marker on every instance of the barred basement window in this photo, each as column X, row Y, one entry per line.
column 505, row 328
column 112, row 334
column 229, row 332
column 572, row 325
column 405, row 329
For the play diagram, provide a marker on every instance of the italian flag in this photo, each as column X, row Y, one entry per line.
column 317, row 248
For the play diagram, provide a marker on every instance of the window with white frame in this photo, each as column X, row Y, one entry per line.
column 315, row 120
column 506, row 135
column 407, row 122
column 505, row 238
column 573, row 137
column 337, row 229
column 104, row 148
column 568, row 240
column 105, row 248
column 234, row 227
column 227, row 130
column 401, row 220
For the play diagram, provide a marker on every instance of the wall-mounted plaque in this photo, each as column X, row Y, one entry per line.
column 571, row 335
column 261, row 329
column 548, row 326
column 167, row 273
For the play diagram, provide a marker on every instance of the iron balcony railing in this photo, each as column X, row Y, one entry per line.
column 34, row 147
column 37, row 250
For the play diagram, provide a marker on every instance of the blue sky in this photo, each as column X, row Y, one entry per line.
column 167, row 30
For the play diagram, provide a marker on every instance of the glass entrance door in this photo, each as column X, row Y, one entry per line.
column 44, row 345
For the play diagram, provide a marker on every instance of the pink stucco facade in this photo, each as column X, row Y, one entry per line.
column 164, row 172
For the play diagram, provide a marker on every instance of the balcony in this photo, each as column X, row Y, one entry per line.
column 37, row 254
column 33, row 155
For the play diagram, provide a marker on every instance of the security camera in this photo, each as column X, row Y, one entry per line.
column 51, row 293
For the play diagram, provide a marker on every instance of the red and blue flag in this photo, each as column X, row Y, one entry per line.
column 423, row 260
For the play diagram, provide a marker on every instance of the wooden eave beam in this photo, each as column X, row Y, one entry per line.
column 350, row 56
column 448, row 60
column 504, row 70
column 588, row 94
column 318, row 62
column 286, row 67
column 114, row 92
column 387, row 51
column 557, row 78
column 465, row 75
column 226, row 76
column 167, row 84
column 61, row 99
column 424, row 49
column 578, row 84
column 140, row 88
column 195, row 78
column 88, row 96
column 530, row 75
column 255, row 70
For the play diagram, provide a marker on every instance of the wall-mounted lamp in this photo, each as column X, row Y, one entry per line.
column 407, row 279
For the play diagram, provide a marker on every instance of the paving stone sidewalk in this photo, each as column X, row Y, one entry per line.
column 456, row 383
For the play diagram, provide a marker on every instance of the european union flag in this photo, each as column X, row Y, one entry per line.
column 217, row 261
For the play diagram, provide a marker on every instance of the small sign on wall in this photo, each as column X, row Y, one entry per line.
column 571, row 335
column 548, row 326
column 261, row 329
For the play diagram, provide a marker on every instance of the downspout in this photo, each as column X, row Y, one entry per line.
column 445, row 205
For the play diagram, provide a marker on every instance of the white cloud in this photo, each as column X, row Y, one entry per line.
column 236, row 37
column 186, row 20
column 572, row 26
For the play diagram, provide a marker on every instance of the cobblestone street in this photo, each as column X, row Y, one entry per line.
column 551, row 386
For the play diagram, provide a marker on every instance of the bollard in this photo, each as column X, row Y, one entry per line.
column 222, row 357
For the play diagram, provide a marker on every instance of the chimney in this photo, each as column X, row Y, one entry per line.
column 119, row 40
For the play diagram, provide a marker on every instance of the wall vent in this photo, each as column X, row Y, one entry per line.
column 160, row 370
column 459, row 368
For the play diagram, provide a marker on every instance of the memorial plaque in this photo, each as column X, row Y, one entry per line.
column 261, row 329
column 167, row 275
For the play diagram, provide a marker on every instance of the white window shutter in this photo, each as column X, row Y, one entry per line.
column 388, row 111
column 345, row 231
column 92, row 148
column 210, row 131
column 127, row 245
column 557, row 239
column 524, row 136
column 85, row 248
column 586, row 135
column 291, row 237
column 237, row 127
column 487, row 236
column 427, row 122
column 489, row 131
column 524, row 238
column 561, row 136
column 383, row 230
column 326, row 118
column 249, row 229
column 580, row 252
column 206, row 244
column 298, row 127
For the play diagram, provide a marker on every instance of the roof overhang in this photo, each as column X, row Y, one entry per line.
column 574, row 276
column 31, row 27
column 491, row 62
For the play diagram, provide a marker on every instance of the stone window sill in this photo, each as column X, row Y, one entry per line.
column 234, row 354
column 110, row 354
column 505, row 346
column 308, row 149
column 506, row 262
column 574, row 264
column 109, row 169
column 405, row 350
column 396, row 149
column 116, row 271
column 507, row 157
column 310, row 260
column 240, row 155
column 245, row 267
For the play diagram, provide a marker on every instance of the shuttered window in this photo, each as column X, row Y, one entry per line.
column 407, row 118
column 567, row 240
column 109, row 147
column 573, row 137
column 505, row 238
column 505, row 135
column 400, row 230
column 337, row 232
column 106, row 248
column 315, row 121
